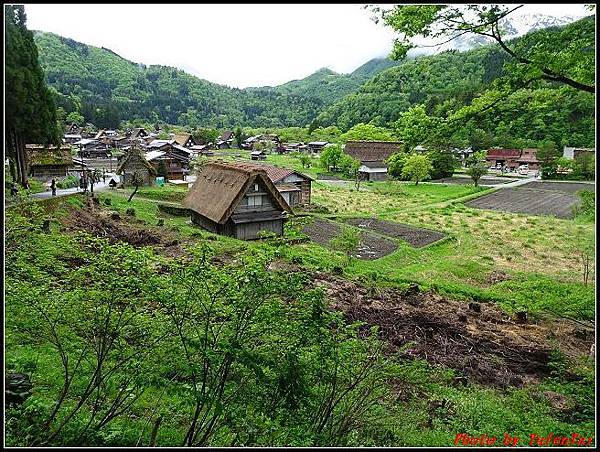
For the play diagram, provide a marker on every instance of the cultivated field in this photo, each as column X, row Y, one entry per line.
column 534, row 198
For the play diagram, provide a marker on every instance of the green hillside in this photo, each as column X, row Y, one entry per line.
column 446, row 82
column 107, row 89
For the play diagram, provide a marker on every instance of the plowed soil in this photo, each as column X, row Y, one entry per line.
column 99, row 222
column 370, row 247
column 416, row 237
column 529, row 201
column 566, row 187
column 487, row 347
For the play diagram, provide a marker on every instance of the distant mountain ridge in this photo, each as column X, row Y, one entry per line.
column 107, row 88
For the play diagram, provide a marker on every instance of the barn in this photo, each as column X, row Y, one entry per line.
column 372, row 156
column 237, row 202
column 46, row 162
column 134, row 162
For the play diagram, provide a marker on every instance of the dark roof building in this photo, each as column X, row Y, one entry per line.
column 236, row 201
column 45, row 162
column 372, row 155
column 134, row 162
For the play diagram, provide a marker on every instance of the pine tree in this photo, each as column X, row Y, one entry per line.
column 30, row 107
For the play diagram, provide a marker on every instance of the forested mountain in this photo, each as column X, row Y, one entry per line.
column 106, row 89
column 328, row 86
column 446, row 82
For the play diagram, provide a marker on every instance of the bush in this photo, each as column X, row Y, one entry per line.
column 586, row 210
column 67, row 182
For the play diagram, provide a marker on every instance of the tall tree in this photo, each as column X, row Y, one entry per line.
column 568, row 60
column 30, row 108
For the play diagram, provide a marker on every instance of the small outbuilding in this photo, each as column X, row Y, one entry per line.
column 46, row 162
column 134, row 163
column 236, row 201
column 258, row 155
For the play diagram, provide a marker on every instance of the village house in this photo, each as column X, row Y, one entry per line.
column 572, row 153
column 512, row 158
column 258, row 155
column 176, row 160
column 372, row 156
column 92, row 148
column 138, row 132
column 295, row 187
column 236, row 201
column 134, row 164
column 184, row 139
column 225, row 140
column 71, row 138
column 47, row 162
column 317, row 146
column 73, row 129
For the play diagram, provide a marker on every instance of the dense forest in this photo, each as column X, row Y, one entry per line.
column 96, row 85
column 445, row 83
column 106, row 88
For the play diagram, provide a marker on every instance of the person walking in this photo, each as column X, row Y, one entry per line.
column 92, row 180
column 14, row 190
column 84, row 181
column 53, row 187
column 104, row 176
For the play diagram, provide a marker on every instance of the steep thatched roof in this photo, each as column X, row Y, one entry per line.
column 135, row 153
column 40, row 155
column 181, row 138
column 275, row 173
column 372, row 151
column 219, row 188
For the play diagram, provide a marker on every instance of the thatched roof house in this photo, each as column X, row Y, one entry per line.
column 134, row 161
column 284, row 177
column 235, row 201
column 372, row 155
column 184, row 139
column 45, row 162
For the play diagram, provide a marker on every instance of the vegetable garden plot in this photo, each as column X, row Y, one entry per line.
column 528, row 201
column 370, row 246
column 416, row 237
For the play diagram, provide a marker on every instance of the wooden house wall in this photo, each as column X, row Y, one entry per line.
column 251, row 231
column 48, row 171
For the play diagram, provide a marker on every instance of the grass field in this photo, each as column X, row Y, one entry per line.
column 509, row 262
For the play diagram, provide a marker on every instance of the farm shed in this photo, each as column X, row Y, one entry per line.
column 236, row 201
column 45, row 162
column 572, row 153
column 317, row 146
column 258, row 155
column 372, row 155
column 135, row 162
column 283, row 177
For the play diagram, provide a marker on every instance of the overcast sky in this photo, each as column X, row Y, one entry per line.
column 235, row 45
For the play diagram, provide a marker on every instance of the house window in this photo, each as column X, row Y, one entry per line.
column 254, row 201
column 255, row 187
